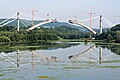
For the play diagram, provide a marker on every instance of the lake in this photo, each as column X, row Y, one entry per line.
column 59, row 61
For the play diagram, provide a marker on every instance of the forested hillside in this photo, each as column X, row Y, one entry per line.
column 56, row 33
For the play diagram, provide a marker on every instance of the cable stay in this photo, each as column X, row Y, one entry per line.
column 20, row 22
column 4, row 55
column 7, row 19
column 8, row 60
column 95, row 23
column 13, row 29
column 8, row 22
column 27, row 22
column 27, row 15
column 108, row 22
column 23, row 23
column 89, row 19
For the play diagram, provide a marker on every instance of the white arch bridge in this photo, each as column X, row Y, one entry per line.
column 101, row 19
column 17, row 17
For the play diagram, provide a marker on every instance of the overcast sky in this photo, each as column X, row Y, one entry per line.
column 63, row 9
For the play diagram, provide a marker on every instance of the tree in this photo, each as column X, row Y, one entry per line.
column 117, row 36
column 109, row 37
column 115, row 28
column 4, row 39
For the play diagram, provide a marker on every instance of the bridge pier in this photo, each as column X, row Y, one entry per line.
column 100, row 55
column 18, row 22
column 18, row 58
column 100, row 24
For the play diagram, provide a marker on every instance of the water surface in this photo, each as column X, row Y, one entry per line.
column 59, row 61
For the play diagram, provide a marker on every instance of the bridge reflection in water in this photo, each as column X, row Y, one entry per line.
column 88, row 55
column 20, row 58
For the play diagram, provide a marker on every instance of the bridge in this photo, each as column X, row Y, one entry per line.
column 91, row 55
column 80, row 23
column 77, row 22
column 8, row 21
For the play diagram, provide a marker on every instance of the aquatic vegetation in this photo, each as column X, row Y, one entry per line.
column 114, row 61
column 72, row 67
column 8, row 79
column 47, row 77
column 108, row 66
column 1, row 74
column 51, row 78
column 42, row 77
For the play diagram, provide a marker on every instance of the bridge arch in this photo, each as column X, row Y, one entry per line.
column 81, row 24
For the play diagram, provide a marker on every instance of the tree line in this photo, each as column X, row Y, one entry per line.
column 52, row 33
column 111, row 35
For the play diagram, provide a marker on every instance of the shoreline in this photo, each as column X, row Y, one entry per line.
column 98, row 42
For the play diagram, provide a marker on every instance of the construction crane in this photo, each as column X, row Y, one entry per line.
column 32, row 12
column 90, row 14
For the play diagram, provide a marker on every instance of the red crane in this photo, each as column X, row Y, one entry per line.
column 33, row 14
column 90, row 13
